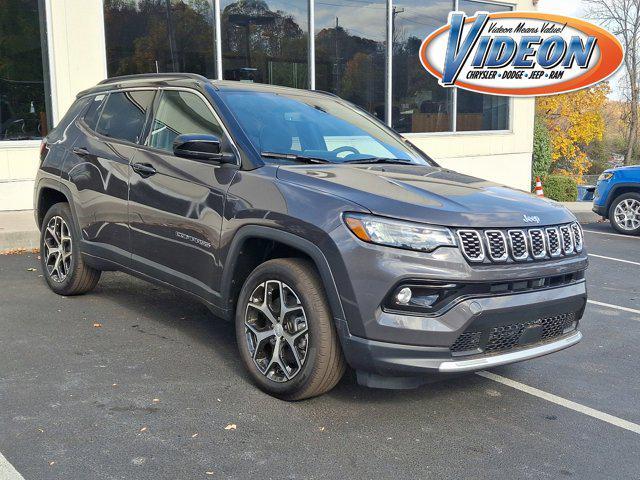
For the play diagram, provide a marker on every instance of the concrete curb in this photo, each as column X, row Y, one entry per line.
column 587, row 217
column 18, row 230
column 582, row 211
column 14, row 240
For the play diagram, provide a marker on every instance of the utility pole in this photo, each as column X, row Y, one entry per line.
column 172, row 38
column 396, row 11
column 392, row 12
column 336, row 65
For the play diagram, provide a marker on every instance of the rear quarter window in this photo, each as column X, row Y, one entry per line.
column 92, row 114
column 124, row 115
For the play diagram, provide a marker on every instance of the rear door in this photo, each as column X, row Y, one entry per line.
column 176, row 204
column 99, row 168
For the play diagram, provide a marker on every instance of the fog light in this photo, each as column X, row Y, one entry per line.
column 404, row 296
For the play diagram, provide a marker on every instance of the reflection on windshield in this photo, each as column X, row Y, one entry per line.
column 315, row 127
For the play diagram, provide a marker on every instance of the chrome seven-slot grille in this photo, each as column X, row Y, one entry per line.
column 500, row 245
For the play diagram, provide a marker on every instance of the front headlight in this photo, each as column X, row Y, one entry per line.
column 605, row 176
column 394, row 233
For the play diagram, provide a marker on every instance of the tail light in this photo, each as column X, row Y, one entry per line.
column 44, row 150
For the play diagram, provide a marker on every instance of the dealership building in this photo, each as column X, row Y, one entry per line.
column 363, row 50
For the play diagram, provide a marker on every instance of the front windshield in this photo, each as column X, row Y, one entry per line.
column 313, row 126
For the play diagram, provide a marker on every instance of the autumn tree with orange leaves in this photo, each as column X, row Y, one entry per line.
column 574, row 121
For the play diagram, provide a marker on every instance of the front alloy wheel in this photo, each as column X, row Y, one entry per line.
column 276, row 330
column 625, row 216
column 285, row 330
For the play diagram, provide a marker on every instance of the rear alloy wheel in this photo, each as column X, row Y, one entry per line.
column 625, row 214
column 285, row 331
column 57, row 249
column 62, row 263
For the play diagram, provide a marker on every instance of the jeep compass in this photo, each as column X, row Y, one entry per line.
column 327, row 238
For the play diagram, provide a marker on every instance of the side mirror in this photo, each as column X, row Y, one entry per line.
column 206, row 148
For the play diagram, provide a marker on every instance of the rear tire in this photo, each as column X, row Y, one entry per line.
column 63, row 267
column 624, row 213
column 309, row 360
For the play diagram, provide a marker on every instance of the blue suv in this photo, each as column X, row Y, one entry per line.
column 617, row 198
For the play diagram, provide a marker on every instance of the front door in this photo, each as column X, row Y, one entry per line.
column 175, row 204
column 99, row 168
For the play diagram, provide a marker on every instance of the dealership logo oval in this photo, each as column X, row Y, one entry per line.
column 520, row 53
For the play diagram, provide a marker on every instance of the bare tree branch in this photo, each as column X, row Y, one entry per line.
column 622, row 17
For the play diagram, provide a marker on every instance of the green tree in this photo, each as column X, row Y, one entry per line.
column 542, row 149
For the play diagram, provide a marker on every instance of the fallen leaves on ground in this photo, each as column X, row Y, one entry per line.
column 19, row 251
column 231, row 426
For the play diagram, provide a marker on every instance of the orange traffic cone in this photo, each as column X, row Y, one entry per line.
column 539, row 191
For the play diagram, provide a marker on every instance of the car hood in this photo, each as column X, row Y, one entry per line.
column 428, row 194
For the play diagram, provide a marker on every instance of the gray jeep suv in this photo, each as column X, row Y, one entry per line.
column 326, row 237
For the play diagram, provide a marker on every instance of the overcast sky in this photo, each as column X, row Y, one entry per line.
column 573, row 8
column 576, row 8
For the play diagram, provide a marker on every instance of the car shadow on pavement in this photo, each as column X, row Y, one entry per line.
column 168, row 315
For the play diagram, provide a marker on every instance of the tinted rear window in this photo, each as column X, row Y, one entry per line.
column 93, row 112
column 124, row 115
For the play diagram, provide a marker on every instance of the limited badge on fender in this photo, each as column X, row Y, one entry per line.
column 520, row 53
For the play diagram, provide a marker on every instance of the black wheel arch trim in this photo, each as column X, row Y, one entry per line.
column 613, row 194
column 267, row 233
column 53, row 184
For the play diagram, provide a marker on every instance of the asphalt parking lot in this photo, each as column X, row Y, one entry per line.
column 136, row 382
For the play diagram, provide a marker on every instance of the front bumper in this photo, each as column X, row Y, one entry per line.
column 506, row 358
column 600, row 210
column 397, row 365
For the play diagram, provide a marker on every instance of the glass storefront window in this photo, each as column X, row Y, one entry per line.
column 265, row 41
column 147, row 36
column 419, row 103
column 351, row 51
column 477, row 111
column 24, row 89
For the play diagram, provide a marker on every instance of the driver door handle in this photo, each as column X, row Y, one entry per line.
column 144, row 169
column 81, row 151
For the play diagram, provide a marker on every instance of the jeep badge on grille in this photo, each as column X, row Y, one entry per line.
column 531, row 219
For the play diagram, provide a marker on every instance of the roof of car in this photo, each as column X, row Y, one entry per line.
column 187, row 80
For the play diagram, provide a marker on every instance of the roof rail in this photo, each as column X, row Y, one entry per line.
column 152, row 76
column 324, row 92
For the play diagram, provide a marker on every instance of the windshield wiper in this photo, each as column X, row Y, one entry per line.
column 295, row 157
column 396, row 161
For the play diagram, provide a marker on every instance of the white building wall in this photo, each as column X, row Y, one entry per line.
column 78, row 60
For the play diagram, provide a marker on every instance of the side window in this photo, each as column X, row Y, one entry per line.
column 181, row 113
column 124, row 115
column 92, row 114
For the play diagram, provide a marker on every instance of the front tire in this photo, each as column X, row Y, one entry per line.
column 285, row 331
column 625, row 214
column 62, row 264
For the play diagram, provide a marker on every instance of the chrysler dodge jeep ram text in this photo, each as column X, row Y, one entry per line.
column 326, row 237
